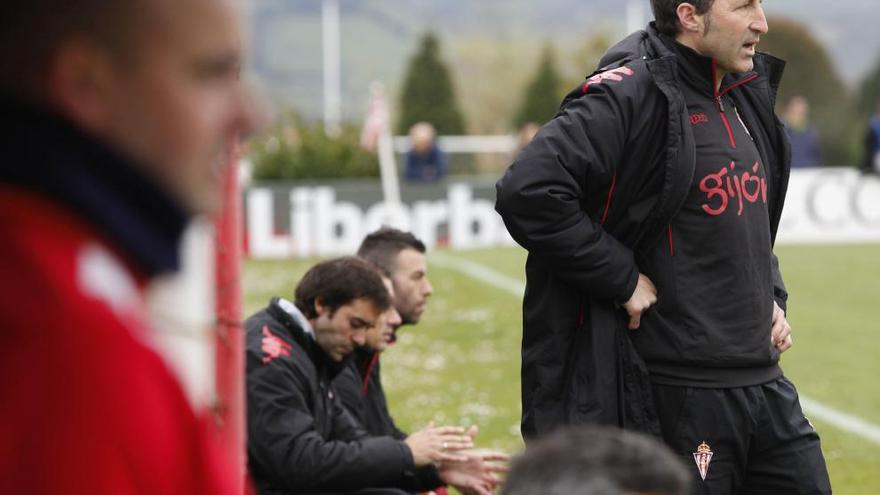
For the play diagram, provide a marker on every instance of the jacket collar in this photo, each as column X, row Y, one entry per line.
column 48, row 155
column 700, row 71
column 649, row 44
column 299, row 328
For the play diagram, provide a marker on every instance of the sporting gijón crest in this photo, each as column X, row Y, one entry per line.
column 703, row 456
column 273, row 346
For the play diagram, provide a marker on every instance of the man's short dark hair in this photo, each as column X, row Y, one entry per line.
column 666, row 13
column 338, row 282
column 596, row 461
column 382, row 247
column 31, row 31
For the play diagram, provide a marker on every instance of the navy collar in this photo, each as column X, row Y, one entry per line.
column 50, row 156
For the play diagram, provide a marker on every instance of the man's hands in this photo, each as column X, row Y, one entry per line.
column 643, row 298
column 780, row 332
column 478, row 475
column 438, row 444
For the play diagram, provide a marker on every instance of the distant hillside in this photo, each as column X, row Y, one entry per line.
column 378, row 36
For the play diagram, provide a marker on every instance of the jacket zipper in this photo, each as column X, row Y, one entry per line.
column 719, row 105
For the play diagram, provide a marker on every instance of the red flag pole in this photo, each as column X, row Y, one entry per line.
column 230, row 411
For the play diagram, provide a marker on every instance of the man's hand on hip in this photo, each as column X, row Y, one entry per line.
column 643, row 298
column 780, row 331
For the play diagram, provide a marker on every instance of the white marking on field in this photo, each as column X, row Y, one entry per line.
column 480, row 272
column 815, row 409
column 841, row 420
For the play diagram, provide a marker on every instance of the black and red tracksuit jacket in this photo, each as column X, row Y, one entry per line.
column 589, row 198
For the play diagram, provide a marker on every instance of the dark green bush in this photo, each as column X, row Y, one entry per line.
column 304, row 151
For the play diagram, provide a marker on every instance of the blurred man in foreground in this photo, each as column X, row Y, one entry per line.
column 115, row 115
column 596, row 461
column 300, row 438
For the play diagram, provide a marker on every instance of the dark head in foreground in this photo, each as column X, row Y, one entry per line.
column 596, row 461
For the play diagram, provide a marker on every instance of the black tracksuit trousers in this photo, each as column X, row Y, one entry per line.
column 751, row 440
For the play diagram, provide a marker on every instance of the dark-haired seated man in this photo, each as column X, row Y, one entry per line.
column 300, row 439
column 400, row 256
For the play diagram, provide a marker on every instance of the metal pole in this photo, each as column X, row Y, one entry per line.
column 230, row 405
column 332, row 68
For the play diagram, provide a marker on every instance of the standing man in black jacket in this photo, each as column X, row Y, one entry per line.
column 649, row 206
column 300, row 439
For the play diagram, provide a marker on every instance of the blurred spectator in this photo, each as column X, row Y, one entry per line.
column 871, row 161
column 300, row 438
column 424, row 160
column 596, row 461
column 525, row 134
column 115, row 116
column 804, row 138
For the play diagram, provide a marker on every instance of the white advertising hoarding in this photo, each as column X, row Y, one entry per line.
column 822, row 206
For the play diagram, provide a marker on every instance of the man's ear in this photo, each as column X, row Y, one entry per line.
column 320, row 308
column 80, row 83
column 689, row 19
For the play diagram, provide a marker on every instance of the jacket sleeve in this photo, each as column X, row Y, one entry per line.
column 284, row 443
column 347, row 386
column 542, row 194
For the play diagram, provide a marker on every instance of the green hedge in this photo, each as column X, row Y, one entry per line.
column 305, row 151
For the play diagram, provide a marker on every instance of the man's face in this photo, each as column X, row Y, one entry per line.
column 382, row 334
column 339, row 332
column 731, row 31
column 411, row 285
column 178, row 103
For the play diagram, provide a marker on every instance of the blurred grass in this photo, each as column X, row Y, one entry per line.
column 460, row 365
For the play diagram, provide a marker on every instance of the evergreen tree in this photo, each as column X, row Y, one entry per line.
column 543, row 94
column 810, row 73
column 869, row 93
column 428, row 94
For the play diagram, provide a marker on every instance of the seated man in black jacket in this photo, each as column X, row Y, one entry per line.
column 360, row 390
column 300, row 439
column 400, row 256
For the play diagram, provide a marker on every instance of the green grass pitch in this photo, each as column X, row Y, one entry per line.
column 460, row 365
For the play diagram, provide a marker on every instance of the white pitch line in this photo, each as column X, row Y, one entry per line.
column 480, row 272
column 841, row 420
column 812, row 408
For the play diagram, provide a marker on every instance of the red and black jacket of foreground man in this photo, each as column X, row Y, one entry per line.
column 88, row 406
